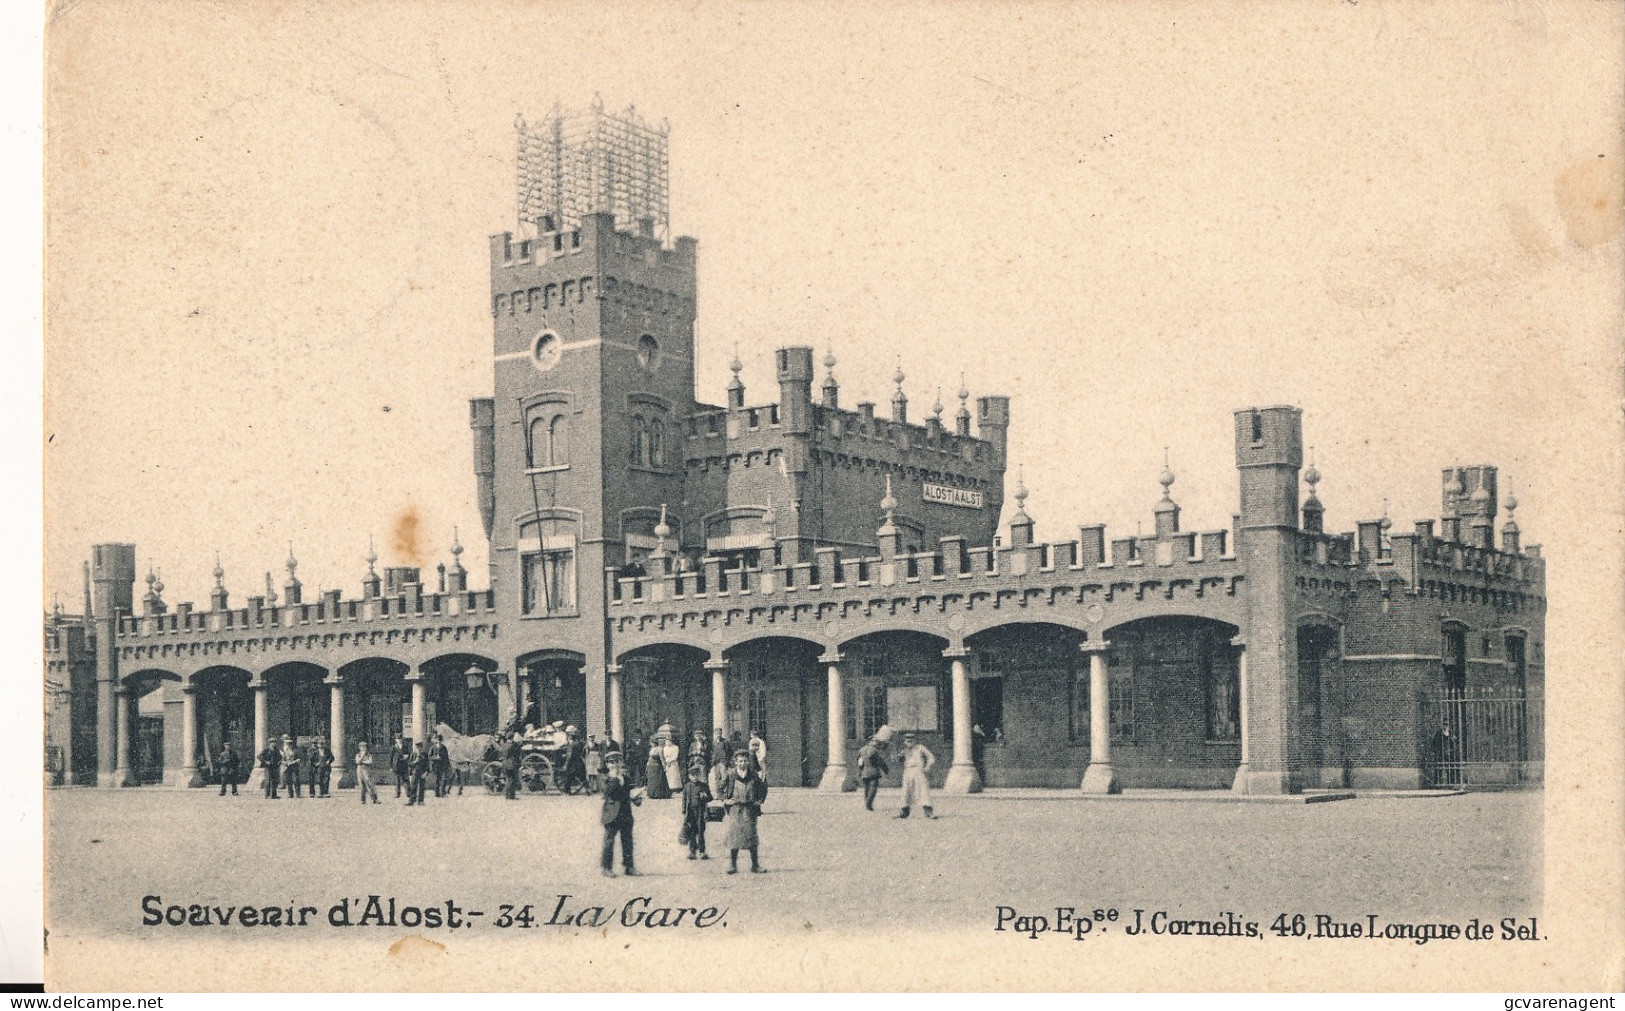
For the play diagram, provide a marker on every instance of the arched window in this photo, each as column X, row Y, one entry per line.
column 657, row 438
column 637, row 440
column 559, row 436
column 538, row 456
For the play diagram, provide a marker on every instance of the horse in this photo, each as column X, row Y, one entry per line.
column 467, row 752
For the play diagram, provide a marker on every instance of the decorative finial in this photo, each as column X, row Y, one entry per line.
column 1166, row 478
column 829, row 360
column 151, row 579
column 964, row 391
column 456, row 548
column 897, row 377
column 292, row 563
column 1511, row 501
column 1458, row 486
column 736, row 366
column 936, row 409
column 219, row 573
column 158, row 587
column 372, row 556
column 1385, row 522
column 888, row 504
column 662, row 529
column 1311, row 477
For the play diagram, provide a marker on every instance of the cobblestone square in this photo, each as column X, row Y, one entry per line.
column 830, row 862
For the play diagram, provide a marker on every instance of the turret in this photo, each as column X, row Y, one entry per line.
column 795, row 370
column 218, row 598
column 1509, row 530
column 993, row 421
column 292, row 590
column 457, row 576
column 1021, row 525
column 1314, row 514
column 1470, row 497
column 832, row 390
column 113, row 576
column 1167, row 511
column 1269, row 451
column 736, row 387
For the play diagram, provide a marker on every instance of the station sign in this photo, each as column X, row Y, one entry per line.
column 964, row 498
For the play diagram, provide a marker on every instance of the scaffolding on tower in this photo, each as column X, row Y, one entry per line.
column 581, row 162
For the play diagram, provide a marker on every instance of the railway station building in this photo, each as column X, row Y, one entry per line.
column 814, row 570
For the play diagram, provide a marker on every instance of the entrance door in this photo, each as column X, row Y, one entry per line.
column 149, row 751
column 1314, row 643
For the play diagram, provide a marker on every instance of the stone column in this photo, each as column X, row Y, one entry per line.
column 256, row 777
column 106, row 723
column 1244, row 769
column 838, row 777
column 189, row 774
column 962, row 775
column 719, row 692
column 612, row 675
column 419, row 731
column 345, row 768
column 507, row 705
column 1099, row 777
column 122, row 774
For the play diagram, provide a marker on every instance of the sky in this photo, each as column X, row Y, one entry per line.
column 267, row 281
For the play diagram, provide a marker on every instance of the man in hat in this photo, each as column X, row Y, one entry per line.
column 400, row 758
column 917, row 762
column 322, row 769
column 417, row 770
column 510, row 766
column 271, row 762
column 290, row 766
column 363, row 772
column 872, row 766
column 575, row 761
column 442, row 767
column 617, row 816
column 226, row 761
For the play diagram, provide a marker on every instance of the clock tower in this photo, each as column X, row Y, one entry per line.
column 593, row 383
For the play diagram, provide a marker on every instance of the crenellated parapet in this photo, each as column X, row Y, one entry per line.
column 963, row 589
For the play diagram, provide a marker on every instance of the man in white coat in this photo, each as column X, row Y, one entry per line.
column 917, row 762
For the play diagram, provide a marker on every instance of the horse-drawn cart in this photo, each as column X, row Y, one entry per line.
column 544, row 754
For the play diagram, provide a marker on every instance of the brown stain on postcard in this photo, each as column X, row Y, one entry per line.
column 1589, row 199
column 403, row 536
column 416, row 948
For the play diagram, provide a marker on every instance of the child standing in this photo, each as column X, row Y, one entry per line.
column 696, row 798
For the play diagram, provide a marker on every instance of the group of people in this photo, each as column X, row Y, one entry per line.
column 307, row 770
column 917, row 760
column 412, row 765
column 658, row 763
column 734, row 798
column 288, row 766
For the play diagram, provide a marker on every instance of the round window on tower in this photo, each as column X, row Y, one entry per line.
column 544, row 351
column 648, row 352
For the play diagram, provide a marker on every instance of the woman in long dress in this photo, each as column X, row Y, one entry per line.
column 741, row 797
column 655, row 771
column 671, row 757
